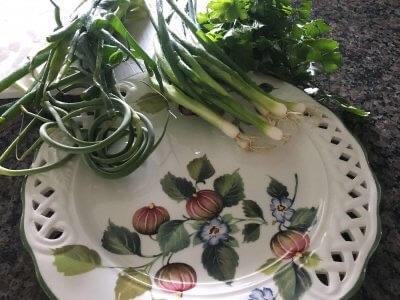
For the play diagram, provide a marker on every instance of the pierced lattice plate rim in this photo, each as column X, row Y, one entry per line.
column 330, row 265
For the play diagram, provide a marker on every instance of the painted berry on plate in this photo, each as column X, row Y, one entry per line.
column 176, row 277
column 289, row 243
column 204, row 205
column 147, row 220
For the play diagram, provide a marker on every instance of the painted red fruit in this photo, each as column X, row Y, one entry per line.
column 204, row 205
column 176, row 277
column 148, row 219
column 289, row 243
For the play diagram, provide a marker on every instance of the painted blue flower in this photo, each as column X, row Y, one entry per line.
column 262, row 294
column 281, row 209
column 214, row 231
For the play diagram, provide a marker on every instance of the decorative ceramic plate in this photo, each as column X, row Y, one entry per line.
column 204, row 219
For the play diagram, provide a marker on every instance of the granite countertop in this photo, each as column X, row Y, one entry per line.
column 369, row 32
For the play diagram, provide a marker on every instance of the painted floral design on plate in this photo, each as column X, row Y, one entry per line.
column 205, row 223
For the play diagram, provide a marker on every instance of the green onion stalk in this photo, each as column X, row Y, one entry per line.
column 81, row 55
column 198, row 75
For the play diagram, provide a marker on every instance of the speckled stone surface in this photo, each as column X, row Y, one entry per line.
column 369, row 32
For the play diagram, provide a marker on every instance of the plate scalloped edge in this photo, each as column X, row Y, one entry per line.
column 336, row 256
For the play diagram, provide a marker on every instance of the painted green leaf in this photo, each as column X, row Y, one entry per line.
column 310, row 260
column 271, row 266
column 196, row 225
column 230, row 187
column 303, row 218
column 233, row 228
column 285, row 279
column 276, row 189
column 232, row 242
column 151, row 103
column 220, row 261
column 200, row 169
column 227, row 218
column 119, row 240
column 252, row 210
column 131, row 284
column 196, row 240
column 303, row 281
column 177, row 188
column 75, row 259
column 173, row 237
column 292, row 281
column 251, row 232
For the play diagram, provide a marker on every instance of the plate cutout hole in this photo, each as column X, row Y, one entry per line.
column 38, row 226
column 338, row 129
column 123, row 92
column 353, row 214
column 350, row 147
column 355, row 255
column 324, row 116
column 351, row 175
column 35, row 205
column 37, row 183
column 346, row 235
column 364, row 185
column 335, row 140
column 358, row 165
column 363, row 229
column 337, row 256
column 47, row 192
column 48, row 213
column 342, row 275
column 323, row 277
column 42, row 163
column 344, row 157
column 54, row 234
column 354, row 193
column 366, row 206
column 323, row 125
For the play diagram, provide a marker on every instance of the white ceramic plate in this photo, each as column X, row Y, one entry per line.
column 296, row 221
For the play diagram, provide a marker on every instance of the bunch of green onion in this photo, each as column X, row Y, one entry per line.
column 198, row 75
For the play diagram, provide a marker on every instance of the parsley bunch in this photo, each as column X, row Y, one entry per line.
column 276, row 37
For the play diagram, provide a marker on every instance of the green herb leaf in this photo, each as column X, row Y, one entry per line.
column 251, row 232
column 131, row 284
column 151, row 103
column 177, row 188
column 119, row 240
column 173, row 237
column 200, row 169
column 228, row 10
column 347, row 106
column 75, row 259
column 230, row 187
column 252, row 210
column 220, row 261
